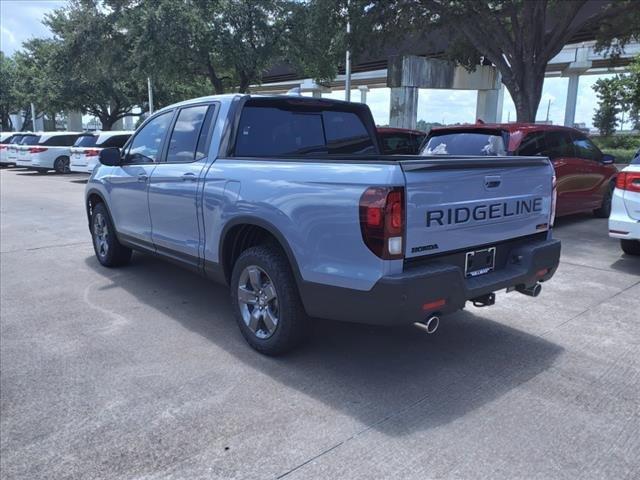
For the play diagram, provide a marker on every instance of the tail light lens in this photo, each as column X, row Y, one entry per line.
column 37, row 149
column 91, row 153
column 3, row 147
column 382, row 221
column 628, row 181
column 554, row 201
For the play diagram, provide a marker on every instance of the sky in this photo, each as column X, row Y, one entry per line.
column 22, row 19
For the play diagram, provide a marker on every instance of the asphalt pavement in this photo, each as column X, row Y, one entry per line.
column 141, row 372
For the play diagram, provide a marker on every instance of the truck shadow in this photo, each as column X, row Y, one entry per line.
column 369, row 373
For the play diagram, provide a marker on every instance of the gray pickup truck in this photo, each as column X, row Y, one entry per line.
column 289, row 202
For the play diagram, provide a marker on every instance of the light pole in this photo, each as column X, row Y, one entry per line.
column 150, row 90
column 347, row 68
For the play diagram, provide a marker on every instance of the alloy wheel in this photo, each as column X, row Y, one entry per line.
column 258, row 302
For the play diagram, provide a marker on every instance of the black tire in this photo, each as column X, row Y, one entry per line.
column 605, row 209
column 61, row 165
column 115, row 254
column 292, row 325
column 630, row 247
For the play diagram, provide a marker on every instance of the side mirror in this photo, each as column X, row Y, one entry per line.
column 110, row 157
column 608, row 159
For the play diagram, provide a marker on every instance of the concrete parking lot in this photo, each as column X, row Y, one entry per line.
column 140, row 372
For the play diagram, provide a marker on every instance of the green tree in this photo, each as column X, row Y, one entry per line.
column 609, row 98
column 230, row 43
column 8, row 98
column 39, row 80
column 94, row 52
column 630, row 92
column 519, row 37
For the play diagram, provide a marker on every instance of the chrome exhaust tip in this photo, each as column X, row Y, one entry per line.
column 531, row 291
column 430, row 325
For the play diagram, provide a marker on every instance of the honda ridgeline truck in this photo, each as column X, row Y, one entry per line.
column 289, row 202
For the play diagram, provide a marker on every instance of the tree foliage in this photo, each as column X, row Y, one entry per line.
column 615, row 95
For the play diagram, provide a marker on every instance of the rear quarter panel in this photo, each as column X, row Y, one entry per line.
column 313, row 204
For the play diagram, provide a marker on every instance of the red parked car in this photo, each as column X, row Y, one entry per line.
column 400, row 141
column 585, row 176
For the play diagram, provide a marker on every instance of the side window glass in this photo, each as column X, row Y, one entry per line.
column 532, row 145
column 185, row 134
column 346, row 133
column 584, row 148
column 146, row 145
column 559, row 144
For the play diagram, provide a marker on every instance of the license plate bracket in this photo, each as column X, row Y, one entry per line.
column 480, row 262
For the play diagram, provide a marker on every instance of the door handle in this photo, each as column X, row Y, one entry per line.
column 142, row 178
column 189, row 177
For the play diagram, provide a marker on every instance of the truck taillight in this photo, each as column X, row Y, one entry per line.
column 628, row 181
column 554, row 200
column 382, row 221
column 37, row 149
column 91, row 153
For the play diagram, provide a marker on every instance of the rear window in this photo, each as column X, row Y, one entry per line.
column 30, row 140
column 636, row 159
column 15, row 139
column 117, row 141
column 272, row 131
column 467, row 143
column 86, row 141
column 400, row 143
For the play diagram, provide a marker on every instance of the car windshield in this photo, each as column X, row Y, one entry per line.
column 86, row 141
column 30, row 140
column 465, row 143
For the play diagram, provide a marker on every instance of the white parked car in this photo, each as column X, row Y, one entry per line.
column 86, row 149
column 5, row 140
column 43, row 151
column 624, row 221
column 8, row 147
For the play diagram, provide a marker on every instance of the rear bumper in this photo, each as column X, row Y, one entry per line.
column 621, row 225
column 399, row 299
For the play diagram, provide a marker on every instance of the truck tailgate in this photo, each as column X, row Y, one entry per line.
column 459, row 203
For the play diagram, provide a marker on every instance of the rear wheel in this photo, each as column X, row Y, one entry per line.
column 61, row 165
column 109, row 251
column 605, row 209
column 630, row 247
column 266, row 302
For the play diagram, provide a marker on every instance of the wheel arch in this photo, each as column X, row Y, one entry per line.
column 241, row 229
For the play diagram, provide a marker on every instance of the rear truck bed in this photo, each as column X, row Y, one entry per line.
column 470, row 227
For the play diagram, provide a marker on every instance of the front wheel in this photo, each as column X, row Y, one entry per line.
column 61, row 165
column 109, row 251
column 630, row 247
column 266, row 302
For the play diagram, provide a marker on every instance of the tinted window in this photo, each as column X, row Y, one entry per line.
column 185, row 134
column 466, row 143
column 558, row 144
column 584, row 148
column 398, row 143
column 346, row 133
column 146, row 145
column 533, row 144
column 271, row 131
column 30, row 140
column 16, row 139
column 267, row 131
column 117, row 141
column 86, row 141
column 636, row 159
